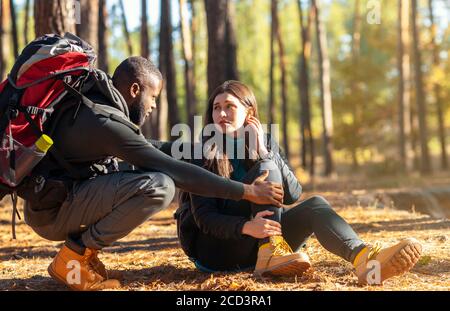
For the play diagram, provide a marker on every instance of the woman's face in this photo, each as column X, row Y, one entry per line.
column 228, row 113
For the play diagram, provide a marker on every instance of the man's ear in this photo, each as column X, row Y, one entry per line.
column 135, row 89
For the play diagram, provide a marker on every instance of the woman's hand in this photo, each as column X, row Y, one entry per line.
column 258, row 134
column 260, row 227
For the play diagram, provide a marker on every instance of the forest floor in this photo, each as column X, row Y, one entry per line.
column 150, row 257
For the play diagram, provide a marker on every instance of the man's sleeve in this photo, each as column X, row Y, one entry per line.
column 120, row 141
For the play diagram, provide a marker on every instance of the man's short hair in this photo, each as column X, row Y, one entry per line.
column 136, row 67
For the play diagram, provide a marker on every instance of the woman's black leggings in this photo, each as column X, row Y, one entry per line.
column 311, row 216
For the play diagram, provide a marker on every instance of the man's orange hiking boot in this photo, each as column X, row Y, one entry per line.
column 389, row 261
column 76, row 271
column 100, row 268
column 277, row 258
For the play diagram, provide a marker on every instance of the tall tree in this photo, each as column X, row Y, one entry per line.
column 273, row 33
column 425, row 166
column 4, row 23
column 188, row 63
column 102, row 59
column 167, row 63
column 307, row 145
column 145, row 52
column 54, row 17
column 26, row 22
column 355, row 51
column 221, row 61
column 230, row 44
column 325, row 92
column 145, row 39
column 125, row 28
column 284, row 91
column 437, row 89
column 404, row 86
column 14, row 34
column 87, row 29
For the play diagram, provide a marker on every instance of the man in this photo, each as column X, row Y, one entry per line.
column 101, row 209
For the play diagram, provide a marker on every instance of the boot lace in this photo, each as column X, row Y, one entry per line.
column 281, row 247
column 374, row 251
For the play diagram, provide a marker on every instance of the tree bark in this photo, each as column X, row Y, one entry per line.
column 437, row 90
column 356, row 42
column 4, row 22
column 425, row 167
column 26, row 22
column 232, row 72
column 222, row 64
column 167, row 63
column 145, row 52
column 14, row 34
column 125, row 28
column 284, row 91
column 102, row 54
column 273, row 31
column 54, row 17
column 303, row 88
column 145, row 40
column 325, row 92
column 188, row 64
column 88, row 27
column 404, row 87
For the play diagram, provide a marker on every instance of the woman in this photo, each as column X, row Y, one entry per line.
column 226, row 235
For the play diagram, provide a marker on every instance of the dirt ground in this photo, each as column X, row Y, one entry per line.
column 151, row 259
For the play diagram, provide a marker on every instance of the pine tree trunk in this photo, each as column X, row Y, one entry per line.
column 145, row 52
column 26, row 22
column 404, row 87
column 188, row 64
column 216, row 11
column 425, row 167
column 102, row 59
column 167, row 63
column 87, row 29
column 437, row 91
column 272, row 104
column 2, row 40
column 356, row 42
column 14, row 35
column 305, row 111
column 145, row 40
column 325, row 92
column 284, row 91
column 125, row 28
column 54, row 17
column 231, row 68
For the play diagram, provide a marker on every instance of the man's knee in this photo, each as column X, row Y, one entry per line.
column 164, row 186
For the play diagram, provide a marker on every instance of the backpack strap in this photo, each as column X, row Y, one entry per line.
column 102, row 110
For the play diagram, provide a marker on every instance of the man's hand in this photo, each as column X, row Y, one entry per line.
column 264, row 192
column 260, row 227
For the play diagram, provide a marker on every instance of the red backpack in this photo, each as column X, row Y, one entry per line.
column 37, row 85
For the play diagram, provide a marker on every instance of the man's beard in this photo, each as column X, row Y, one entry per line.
column 137, row 112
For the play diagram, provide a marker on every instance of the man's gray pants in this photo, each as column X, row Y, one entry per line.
column 107, row 208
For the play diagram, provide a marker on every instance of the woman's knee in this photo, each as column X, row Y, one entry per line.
column 318, row 201
column 268, row 165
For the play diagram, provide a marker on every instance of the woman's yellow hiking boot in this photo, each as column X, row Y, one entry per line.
column 277, row 258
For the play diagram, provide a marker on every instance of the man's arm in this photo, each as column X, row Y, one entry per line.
column 122, row 142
